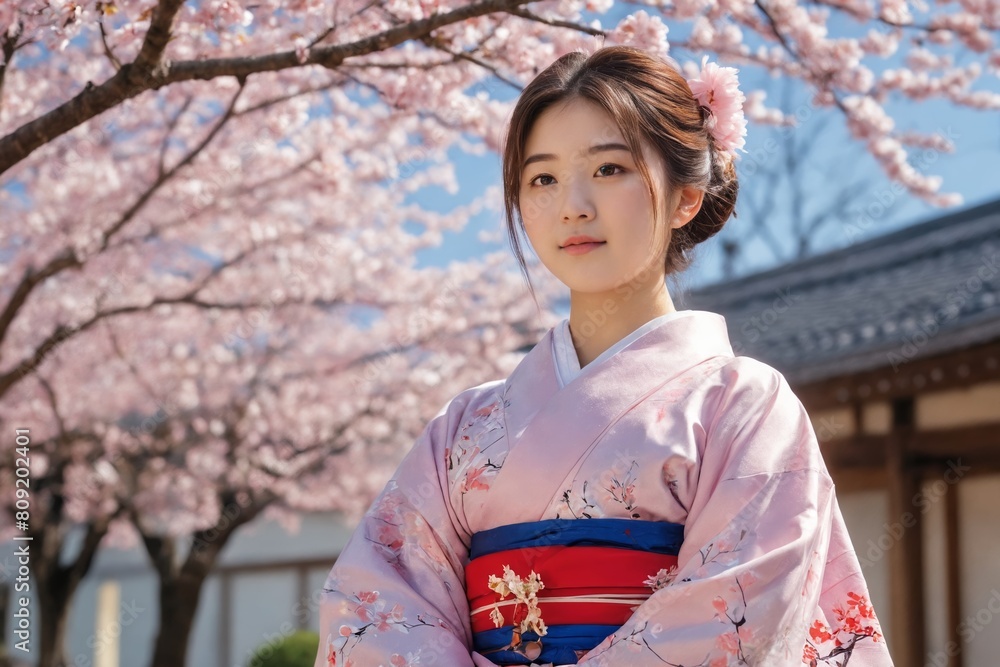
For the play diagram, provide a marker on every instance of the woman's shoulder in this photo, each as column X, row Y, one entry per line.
column 743, row 390
column 761, row 421
column 473, row 398
column 748, row 374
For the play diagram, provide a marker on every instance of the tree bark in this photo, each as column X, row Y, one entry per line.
column 178, row 604
column 150, row 72
column 180, row 588
column 54, row 584
column 54, row 594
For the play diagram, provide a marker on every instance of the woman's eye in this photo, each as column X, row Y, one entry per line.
column 532, row 181
column 599, row 170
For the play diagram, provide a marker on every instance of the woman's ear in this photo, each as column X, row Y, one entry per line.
column 688, row 205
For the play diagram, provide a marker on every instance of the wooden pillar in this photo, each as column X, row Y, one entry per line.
column 953, row 572
column 906, row 555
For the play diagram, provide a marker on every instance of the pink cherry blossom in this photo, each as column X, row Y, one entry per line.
column 718, row 89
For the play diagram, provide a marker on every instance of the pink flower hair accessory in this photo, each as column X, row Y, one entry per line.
column 718, row 90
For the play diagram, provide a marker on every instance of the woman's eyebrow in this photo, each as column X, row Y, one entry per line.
column 597, row 148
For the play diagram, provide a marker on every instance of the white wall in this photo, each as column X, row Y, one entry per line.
column 979, row 530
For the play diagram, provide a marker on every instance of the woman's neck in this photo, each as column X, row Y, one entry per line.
column 598, row 321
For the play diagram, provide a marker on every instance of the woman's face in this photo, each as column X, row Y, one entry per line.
column 580, row 179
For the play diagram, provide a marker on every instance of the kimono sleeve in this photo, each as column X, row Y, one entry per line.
column 748, row 578
column 396, row 594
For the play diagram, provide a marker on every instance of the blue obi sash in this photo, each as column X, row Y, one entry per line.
column 594, row 573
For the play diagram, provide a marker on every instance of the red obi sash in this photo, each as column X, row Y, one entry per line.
column 593, row 574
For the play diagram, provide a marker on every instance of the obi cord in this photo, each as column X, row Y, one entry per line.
column 550, row 591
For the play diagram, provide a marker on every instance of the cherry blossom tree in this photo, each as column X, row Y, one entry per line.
column 209, row 303
column 193, row 437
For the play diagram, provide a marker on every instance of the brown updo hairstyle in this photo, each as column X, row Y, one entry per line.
column 649, row 99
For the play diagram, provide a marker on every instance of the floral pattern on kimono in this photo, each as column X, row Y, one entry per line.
column 371, row 615
column 612, row 488
column 398, row 528
column 729, row 610
column 473, row 460
column 855, row 621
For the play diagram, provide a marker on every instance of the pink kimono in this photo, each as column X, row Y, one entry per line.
column 668, row 430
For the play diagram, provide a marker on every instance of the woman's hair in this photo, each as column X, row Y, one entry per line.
column 649, row 99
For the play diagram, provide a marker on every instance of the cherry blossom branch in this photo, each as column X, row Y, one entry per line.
column 144, row 198
column 468, row 57
column 136, row 375
column 50, row 394
column 147, row 72
column 171, row 125
column 243, row 187
column 112, row 58
column 266, row 104
column 369, row 64
column 8, row 45
column 524, row 13
column 63, row 332
column 68, row 258
column 160, row 25
column 326, row 33
column 29, row 281
column 820, row 80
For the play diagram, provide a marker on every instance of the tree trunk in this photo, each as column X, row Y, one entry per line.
column 178, row 604
column 54, row 597
column 180, row 588
column 54, row 586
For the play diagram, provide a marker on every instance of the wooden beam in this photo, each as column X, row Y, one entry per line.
column 906, row 556
column 956, row 369
column 849, row 480
column 864, row 451
column 976, row 448
column 979, row 444
column 953, row 574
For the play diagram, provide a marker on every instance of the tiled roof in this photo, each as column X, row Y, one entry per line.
column 913, row 293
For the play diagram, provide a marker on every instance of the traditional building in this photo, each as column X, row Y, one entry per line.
column 893, row 345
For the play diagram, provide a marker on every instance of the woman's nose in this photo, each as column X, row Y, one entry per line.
column 577, row 201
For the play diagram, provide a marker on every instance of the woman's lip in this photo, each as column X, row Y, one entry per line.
column 582, row 248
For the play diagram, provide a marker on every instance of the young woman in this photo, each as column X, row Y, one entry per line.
column 633, row 494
